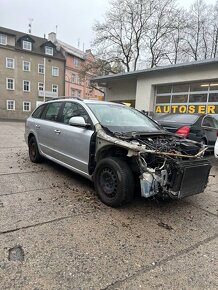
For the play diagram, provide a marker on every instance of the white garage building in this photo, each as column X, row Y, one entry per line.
column 182, row 88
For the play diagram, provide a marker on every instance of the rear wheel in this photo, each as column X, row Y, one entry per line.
column 34, row 154
column 114, row 181
column 203, row 141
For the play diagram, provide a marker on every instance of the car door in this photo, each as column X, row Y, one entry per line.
column 47, row 129
column 73, row 144
column 209, row 130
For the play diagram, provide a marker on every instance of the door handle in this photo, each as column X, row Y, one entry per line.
column 57, row 131
column 37, row 126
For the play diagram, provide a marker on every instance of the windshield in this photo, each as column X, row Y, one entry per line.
column 118, row 118
column 181, row 118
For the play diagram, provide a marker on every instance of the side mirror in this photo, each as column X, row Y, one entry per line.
column 78, row 121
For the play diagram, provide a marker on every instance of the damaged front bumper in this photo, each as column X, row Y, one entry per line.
column 188, row 178
column 176, row 174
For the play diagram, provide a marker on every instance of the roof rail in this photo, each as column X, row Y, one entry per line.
column 65, row 97
column 77, row 98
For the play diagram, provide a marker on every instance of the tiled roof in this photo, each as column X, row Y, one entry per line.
column 37, row 42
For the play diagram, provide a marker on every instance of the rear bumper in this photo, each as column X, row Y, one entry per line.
column 190, row 177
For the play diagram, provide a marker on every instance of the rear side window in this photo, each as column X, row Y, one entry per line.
column 208, row 122
column 37, row 113
column 52, row 111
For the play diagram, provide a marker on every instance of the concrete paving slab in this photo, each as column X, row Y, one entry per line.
column 196, row 269
column 87, row 252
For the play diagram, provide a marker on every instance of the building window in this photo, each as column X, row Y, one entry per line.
column 76, row 62
column 3, row 39
column 55, row 89
column 40, row 86
column 10, row 105
column 75, row 93
column 27, row 45
column 26, row 106
column 26, row 86
column 26, row 66
column 9, row 62
column 10, row 84
column 41, row 69
column 73, row 79
column 55, row 71
column 49, row 50
column 72, row 92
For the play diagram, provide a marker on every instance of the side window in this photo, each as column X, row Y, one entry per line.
column 52, row 111
column 73, row 110
column 37, row 113
column 208, row 122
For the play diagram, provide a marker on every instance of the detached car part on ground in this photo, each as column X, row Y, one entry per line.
column 123, row 154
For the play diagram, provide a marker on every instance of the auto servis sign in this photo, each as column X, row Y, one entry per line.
column 190, row 109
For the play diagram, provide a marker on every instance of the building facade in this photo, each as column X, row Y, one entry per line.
column 32, row 71
column 77, row 79
column 184, row 88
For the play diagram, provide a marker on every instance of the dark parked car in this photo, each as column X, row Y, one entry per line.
column 200, row 128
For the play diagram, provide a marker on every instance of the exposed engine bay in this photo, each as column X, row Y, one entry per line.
column 168, row 165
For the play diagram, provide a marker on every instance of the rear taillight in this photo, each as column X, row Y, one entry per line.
column 183, row 131
column 217, row 133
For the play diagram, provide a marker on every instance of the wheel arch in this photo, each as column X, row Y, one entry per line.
column 111, row 151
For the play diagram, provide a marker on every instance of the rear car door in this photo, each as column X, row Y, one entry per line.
column 209, row 130
column 73, row 142
column 47, row 129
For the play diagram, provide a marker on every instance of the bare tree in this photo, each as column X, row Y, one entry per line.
column 120, row 37
column 140, row 33
column 160, row 28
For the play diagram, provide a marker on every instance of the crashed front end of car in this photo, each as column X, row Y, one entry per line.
column 167, row 165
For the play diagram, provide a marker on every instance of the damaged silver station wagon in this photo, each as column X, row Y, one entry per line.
column 117, row 147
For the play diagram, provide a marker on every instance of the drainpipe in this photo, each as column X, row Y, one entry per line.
column 44, row 81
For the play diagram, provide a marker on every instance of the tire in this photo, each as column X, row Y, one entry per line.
column 203, row 141
column 34, row 154
column 114, row 182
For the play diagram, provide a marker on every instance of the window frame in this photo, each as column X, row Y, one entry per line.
column 53, row 69
column 7, row 79
column 53, row 88
column 7, row 101
column 3, row 36
column 13, row 62
column 25, row 61
column 40, row 83
column 27, row 102
column 41, row 65
column 27, row 45
column 47, row 48
column 29, row 90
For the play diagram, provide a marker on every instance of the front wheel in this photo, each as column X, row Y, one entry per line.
column 114, row 181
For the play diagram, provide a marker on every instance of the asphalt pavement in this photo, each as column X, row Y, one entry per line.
column 55, row 234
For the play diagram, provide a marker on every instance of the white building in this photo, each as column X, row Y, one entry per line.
column 182, row 88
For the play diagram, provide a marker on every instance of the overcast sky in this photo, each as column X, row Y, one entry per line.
column 74, row 18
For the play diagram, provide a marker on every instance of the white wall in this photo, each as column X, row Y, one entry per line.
column 121, row 90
